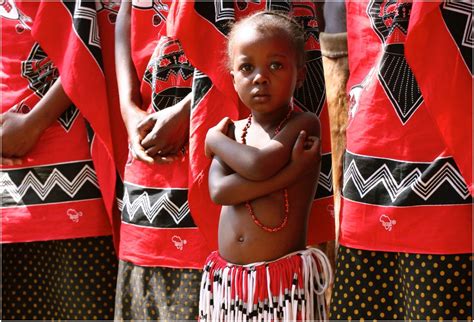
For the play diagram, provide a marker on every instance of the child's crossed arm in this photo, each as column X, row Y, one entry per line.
column 259, row 163
column 229, row 188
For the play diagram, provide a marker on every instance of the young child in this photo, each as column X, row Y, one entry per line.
column 264, row 172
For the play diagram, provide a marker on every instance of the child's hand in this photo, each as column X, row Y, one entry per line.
column 221, row 128
column 306, row 151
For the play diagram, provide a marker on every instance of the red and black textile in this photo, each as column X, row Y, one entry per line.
column 55, row 192
column 403, row 190
column 107, row 15
column 157, row 226
column 73, row 36
column 216, row 98
column 450, row 25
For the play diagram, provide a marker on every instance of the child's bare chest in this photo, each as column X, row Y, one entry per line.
column 256, row 136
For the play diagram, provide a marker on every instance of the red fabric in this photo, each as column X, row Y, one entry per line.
column 454, row 123
column 106, row 16
column 421, row 230
column 221, row 101
column 50, row 222
column 43, row 220
column 431, row 134
column 138, row 243
column 84, row 82
column 141, row 247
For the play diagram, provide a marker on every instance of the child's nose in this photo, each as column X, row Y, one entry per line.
column 260, row 77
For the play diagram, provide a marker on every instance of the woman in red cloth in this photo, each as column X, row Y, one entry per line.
column 161, row 248
column 262, row 269
column 58, row 259
column 406, row 220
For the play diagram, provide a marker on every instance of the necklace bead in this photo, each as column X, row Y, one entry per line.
column 286, row 204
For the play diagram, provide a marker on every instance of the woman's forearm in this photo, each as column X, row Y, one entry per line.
column 49, row 108
column 127, row 79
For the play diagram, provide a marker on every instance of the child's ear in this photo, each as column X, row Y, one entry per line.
column 233, row 77
column 301, row 76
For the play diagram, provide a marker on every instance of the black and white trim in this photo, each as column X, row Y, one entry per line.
column 49, row 184
column 325, row 187
column 155, row 207
column 85, row 23
column 458, row 17
column 388, row 182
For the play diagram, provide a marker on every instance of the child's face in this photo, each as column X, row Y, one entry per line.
column 264, row 69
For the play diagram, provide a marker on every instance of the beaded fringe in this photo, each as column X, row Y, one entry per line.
column 288, row 289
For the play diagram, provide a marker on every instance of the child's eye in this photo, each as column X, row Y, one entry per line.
column 276, row 66
column 246, row 67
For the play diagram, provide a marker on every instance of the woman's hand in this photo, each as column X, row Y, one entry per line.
column 167, row 133
column 135, row 135
column 18, row 136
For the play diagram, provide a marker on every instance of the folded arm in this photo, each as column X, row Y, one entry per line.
column 129, row 83
column 229, row 188
column 261, row 163
column 20, row 132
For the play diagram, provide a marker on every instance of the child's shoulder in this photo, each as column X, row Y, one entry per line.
column 305, row 121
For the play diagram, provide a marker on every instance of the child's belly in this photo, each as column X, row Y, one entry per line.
column 242, row 241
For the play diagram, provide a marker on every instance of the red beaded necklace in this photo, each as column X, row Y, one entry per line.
column 285, row 191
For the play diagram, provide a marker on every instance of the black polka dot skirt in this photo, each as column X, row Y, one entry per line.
column 72, row 279
column 400, row 286
column 157, row 293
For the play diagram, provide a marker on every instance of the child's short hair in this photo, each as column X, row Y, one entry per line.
column 270, row 22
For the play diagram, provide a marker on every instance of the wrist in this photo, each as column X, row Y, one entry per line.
column 37, row 121
column 131, row 114
column 183, row 107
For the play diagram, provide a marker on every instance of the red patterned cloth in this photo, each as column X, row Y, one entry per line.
column 157, row 227
column 404, row 175
column 55, row 193
column 449, row 26
column 216, row 98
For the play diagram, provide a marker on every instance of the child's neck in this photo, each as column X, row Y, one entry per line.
column 269, row 121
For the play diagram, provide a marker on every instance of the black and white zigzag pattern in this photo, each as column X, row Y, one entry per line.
column 90, row 14
column 325, row 188
column 49, row 184
column 156, row 207
column 397, row 183
column 151, row 211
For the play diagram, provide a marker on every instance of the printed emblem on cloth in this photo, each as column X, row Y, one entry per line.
column 178, row 242
column 74, row 215
column 169, row 74
column 387, row 223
